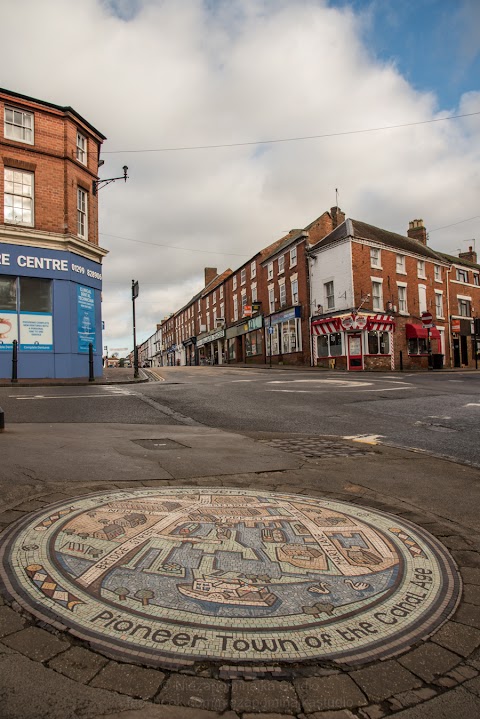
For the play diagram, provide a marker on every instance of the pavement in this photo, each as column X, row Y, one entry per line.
column 48, row 672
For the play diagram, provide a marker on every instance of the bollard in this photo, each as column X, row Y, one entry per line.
column 401, row 360
column 2, row 420
column 15, row 361
column 91, row 376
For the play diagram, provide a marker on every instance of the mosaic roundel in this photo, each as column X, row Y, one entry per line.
column 177, row 575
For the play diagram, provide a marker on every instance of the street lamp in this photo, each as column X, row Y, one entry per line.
column 98, row 184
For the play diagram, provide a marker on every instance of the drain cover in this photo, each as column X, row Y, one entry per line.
column 316, row 448
column 159, row 444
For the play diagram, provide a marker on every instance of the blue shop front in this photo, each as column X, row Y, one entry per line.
column 50, row 302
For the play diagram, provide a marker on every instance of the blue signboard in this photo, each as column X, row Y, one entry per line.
column 86, row 318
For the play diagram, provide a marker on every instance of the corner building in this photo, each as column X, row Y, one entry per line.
column 50, row 259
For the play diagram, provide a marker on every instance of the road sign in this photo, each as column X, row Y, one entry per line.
column 135, row 290
column 270, row 330
column 427, row 319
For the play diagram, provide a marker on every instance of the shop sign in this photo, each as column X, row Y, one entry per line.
column 456, row 326
column 290, row 314
column 190, row 341
column 50, row 264
column 36, row 332
column 86, row 318
column 210, row 338
column 255, row 323
column 354, row 322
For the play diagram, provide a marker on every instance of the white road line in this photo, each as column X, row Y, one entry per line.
column 365, row 438
column 291, row 391
column 472, row 404
column 386, row 389
column 335, row 382
column 69, row 396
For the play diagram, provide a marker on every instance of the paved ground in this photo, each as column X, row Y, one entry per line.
column 49, row 673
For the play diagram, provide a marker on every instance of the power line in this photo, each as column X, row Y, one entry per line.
column 174, row 247
column 292, row 139
column 444, row 227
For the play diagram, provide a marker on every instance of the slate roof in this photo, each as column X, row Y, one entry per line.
column 280, row 244
column 216, row 282
column 459, row 260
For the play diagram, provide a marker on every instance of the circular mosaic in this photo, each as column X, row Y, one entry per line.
column 178, row 575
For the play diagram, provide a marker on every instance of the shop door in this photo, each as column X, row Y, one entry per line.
column 464, row 350
column 355, row 358
column 456, row 352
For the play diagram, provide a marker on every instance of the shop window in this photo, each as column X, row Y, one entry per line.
column 8, row 293
column 35, row 295
column 329, row 295
column 81, row 148
column 329, row 345
column 378, row 343
column 18, row 197
column 231, row 349
column 417, row 346
column 254, row 343
column 18, row 125
column 82, row 223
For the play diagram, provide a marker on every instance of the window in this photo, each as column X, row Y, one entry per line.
column 35, row 295
column 254, row 343
column 421, row 268
column 235, row 282
column 253, row 270
column 438, row 304
column 214, row 297
column 221, row 292
column 422, row 298
column 294, row 292
column 402, row 299
column 8, row 293
column 437, row 273
column 243, row 276
column 329, row 295
column 18, row 197
column 81, row 149
column 417, row 346
column 281, row 264
column 464, row 307
column 198, row 306
column 476, row 279
column 291, row 341
column 254, row 292
column 377, row 295
column 401, row 265
column 271, row 299
column 235, row 308
column 270, row 271
column 293, row 257
column 283, row 294
column 329, row 345
column 378, row 343
column 214, row 316
column 18, row 125
column 207, row 303
column 82, row 224
column 222, row 310
column 244, row 302
column 462, row 275
column 375, row 257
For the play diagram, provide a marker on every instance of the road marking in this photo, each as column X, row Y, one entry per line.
column 335, row 382
column 241, row 380
column 472, row 404
column 291, row 391
column 70, row 396
column 387, row 389
column 365, row 438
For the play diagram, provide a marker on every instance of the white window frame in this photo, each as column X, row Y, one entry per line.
column 282, row 293
column 81, row 149
column 207, row 301
column 294, row 282
column 235, row 308
column 271, row 299
column 439, row 315
column 253, row 288
column 253, row 270
column 422, row 290
column 243, row 275
column 476, row 279
column 281, row 264
column 214, row 297
column 222, row 310
column 82, row 213
column 18, row 196
column 402, row 286
column 8, row 126
column 376, row 258
column 329, row 297
column 461, row 271
column 437, row 273
column 270, row 271
column 244, row 301
column 234, row 282
column 293, row 256
column 221, row 292
column 401, row 264
column 377, row 281
column 464, row 298
column 421, row 269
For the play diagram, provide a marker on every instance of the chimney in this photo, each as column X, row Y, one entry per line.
column 471, row 255
column 337, row 216
column 417, row 231
column 210, row 274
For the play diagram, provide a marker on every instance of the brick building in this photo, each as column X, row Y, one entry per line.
column 50, row 259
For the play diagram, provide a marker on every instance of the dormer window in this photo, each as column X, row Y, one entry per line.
column 81, row 148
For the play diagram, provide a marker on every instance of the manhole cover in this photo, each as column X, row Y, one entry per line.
column 159, row 444
column 316, row 447
column 174, row 575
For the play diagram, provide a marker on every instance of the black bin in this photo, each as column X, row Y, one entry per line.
column 437, row 361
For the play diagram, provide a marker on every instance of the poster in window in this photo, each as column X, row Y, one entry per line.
column 86, row 318
column 36, row 332
column 8, row 329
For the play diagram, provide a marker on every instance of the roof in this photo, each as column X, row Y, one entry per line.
column 66, row 108
column 281, row 244
column 459, row 260
column 216, row 282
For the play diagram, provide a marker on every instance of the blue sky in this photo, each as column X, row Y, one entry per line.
column 435, row 44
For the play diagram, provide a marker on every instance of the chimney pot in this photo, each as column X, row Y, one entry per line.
column 417, row 231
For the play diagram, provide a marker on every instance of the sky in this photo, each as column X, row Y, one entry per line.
column 159, row 76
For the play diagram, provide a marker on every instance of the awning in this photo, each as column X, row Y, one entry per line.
column 419, row 332
column 326, row 326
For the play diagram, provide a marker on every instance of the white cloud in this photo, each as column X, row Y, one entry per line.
column 163, row 73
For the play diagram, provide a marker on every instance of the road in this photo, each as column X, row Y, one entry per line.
column 433, row 412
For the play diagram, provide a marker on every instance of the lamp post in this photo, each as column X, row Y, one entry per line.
column 135, row 289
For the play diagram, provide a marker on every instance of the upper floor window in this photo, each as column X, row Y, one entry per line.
column 235, row 308
column 254, row 291
column 421, row 268
column 377, row 295
column 329, row 295
column 253, row 270
column 221, row 292
column 283, row 294
column 214, row 297
column 402, row 299
column 208, row 302
column 464, row 307
column 476, row 279
column 82, row 218
column 437, row 272
column 18, row 125
column 18, row 197
column 281, row 264
column 270, row 271
column 293, row 257
column 243, row 276
column 271, row 299
column 462, row 275
column 234, row 282
column 294, row 291
column 438, row 304
column 81, row 148
column 401, row 264
column 375, row 257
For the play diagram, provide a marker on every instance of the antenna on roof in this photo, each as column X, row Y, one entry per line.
column 336, row 197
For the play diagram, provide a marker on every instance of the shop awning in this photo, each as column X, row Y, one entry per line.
column 419, row 332
column 326, row 326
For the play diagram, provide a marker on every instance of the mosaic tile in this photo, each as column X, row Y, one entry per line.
column 176, row 575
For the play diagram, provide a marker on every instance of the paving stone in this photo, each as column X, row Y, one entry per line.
column 456, row 543
column 264, row 695
column 36, row 644
column 321, row 693
column 458, row 637
column 373, row 712
column 187, row 691
column 340, row 714
column 468, row 614
column 446, row 682
column 381, row 681
column 31, row 506
column 10, row 515
column 78, row 663
column 10, row 621
column 471, row 594
column 164, row 711
column 415, row 696
column 470, row 575
column 467, row 558
column 129, row 679
column 429, row 661
column 268, row 716
column 473, row 685
column 464, row 671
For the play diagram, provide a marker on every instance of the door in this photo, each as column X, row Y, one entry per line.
column 464, row 350
column 456, row 352
column 355, row 358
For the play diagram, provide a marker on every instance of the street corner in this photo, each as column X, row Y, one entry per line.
column 209, row 597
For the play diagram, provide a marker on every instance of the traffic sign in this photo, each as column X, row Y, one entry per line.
column 427, row 319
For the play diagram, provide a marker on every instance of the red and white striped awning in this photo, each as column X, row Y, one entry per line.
column 381, row 323
column 326, row 326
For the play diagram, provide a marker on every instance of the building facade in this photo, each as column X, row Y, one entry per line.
column 50, row 258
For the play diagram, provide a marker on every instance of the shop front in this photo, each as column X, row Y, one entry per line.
column 211, row 347
column 190, row 351
column 354, row 342
column 424, row 347
column 283, row 336
column 465, row 345
column 50, row 304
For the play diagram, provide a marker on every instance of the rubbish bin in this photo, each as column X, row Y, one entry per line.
column 437, row 361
